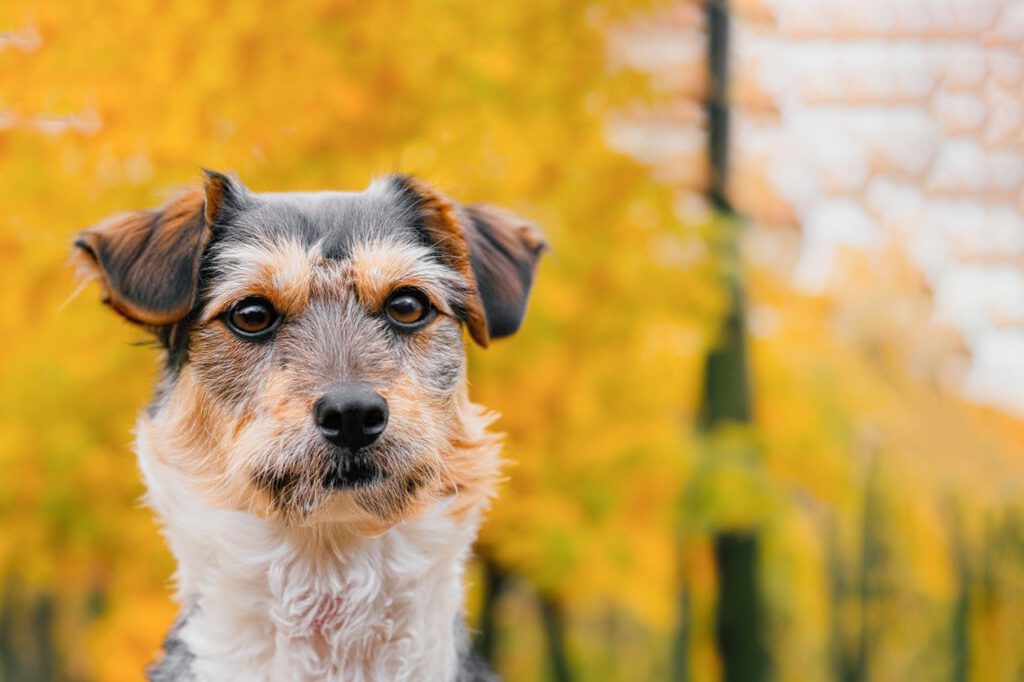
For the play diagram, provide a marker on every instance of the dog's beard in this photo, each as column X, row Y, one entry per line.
column 308, row 481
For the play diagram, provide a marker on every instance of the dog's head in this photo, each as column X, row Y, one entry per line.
column 315, row 364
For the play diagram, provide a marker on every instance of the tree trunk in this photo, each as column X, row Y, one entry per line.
column 739, row 627
column 487, row 635
column 554, row 631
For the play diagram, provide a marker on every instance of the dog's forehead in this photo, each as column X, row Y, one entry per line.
column 299, row 246
column 335, row 221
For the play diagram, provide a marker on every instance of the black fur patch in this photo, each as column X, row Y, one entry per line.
column 472, row 666
column 176, row 663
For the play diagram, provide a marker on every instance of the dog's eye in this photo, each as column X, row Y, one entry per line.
column 252, row 317
column 408, row 308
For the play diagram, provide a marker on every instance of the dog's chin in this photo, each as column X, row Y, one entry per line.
column 366, row 506
column 367, row 499
column 352, row 471
column 369, row 490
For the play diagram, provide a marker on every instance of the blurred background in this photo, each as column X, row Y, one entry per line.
column 766, row 411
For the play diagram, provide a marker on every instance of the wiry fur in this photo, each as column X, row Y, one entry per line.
column 286, row 569
column 279, row 602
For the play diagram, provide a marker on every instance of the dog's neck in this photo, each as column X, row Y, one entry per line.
column 265, row 601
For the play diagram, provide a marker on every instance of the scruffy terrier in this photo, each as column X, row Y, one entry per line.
column 311, row 449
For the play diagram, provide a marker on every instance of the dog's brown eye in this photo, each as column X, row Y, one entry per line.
column 252, row 317
column 408, row 308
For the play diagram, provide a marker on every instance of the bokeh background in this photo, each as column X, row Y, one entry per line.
column 766, row 411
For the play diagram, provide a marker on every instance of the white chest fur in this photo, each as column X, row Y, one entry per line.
column 269, row 603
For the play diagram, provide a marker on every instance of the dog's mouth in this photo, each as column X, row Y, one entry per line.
column 339, row 470
column 352, row 470
column 379, row 483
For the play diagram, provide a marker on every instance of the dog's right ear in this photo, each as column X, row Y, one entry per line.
column 495, row 250
column 148, row 261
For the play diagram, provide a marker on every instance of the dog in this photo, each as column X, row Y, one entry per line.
column 311, row 450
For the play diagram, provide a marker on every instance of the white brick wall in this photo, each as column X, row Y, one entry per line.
column 895, row 124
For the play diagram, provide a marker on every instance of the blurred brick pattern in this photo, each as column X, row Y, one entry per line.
column 872, row 125
column 669, row 45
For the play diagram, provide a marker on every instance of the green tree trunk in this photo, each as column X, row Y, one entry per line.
column 554, row 631
column 487, row 634
column 960, row 626
column 681, row 642
column 739, row 626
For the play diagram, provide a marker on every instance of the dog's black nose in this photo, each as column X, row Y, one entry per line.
column 351, row 415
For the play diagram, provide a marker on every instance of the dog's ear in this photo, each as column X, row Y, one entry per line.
column 504, row 250
column 494, row 249
column 148, row 261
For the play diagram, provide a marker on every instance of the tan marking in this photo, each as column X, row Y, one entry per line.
column 473, row 463
column 186, row 437
column 281, row 272
column 378, row 269
column 213, row 191
column 464, row 465
column 280, row 401
column 242, row 422
column 188, row 427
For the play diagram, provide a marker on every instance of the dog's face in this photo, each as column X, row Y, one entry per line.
column 315, row 366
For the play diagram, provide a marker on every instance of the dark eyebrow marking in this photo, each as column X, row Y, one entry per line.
column 412, row 204
column 337, row 245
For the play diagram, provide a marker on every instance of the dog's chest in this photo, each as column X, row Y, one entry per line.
column 263, row 605
column 381, row 611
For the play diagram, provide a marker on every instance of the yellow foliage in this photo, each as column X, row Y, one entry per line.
column 861, row 476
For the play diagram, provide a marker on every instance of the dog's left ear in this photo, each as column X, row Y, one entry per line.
column 148, row 261
column 504, row 250
column 496, row 250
